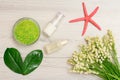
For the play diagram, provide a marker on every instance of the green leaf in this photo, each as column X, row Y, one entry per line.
column 115, row 77
column 32, row 61
column 13, row 60
column 109, row 70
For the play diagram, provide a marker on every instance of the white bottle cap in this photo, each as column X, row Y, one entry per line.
column 57, row 19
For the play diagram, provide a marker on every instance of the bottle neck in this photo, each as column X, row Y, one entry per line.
column 57, row 19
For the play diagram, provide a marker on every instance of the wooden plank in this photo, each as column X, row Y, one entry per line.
column 51, row 68
column 66, row 51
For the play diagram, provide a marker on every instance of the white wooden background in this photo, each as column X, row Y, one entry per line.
column 54, row 66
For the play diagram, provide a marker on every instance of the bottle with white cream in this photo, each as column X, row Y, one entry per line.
column 53, row 24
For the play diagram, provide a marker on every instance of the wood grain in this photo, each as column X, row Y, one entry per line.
column 54, row 66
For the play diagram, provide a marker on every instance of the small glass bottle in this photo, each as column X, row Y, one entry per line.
column 55, row 46
column 52, row 25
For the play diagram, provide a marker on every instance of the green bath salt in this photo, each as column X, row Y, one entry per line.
column 26, row 31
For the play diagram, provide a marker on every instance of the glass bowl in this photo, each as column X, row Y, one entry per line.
column 26, row 31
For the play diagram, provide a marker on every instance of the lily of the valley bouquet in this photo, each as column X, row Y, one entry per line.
column 98, row 56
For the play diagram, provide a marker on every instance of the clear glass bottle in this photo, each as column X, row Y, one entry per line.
column 55, row 46
column 52, row 25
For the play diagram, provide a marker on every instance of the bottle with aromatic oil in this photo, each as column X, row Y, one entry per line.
column 55, row 46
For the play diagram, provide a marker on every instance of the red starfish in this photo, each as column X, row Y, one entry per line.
column 87, row 19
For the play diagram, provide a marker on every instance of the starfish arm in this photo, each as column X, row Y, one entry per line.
column 84, row 9
column 93, row 13
column 85, row 27
column 76, row 20
column 95, row 24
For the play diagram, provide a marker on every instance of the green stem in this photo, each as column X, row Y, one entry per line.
column 116, row 77
column 114, row 56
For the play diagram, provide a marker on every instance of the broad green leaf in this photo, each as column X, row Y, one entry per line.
column 32, row 61
column 13, row 60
